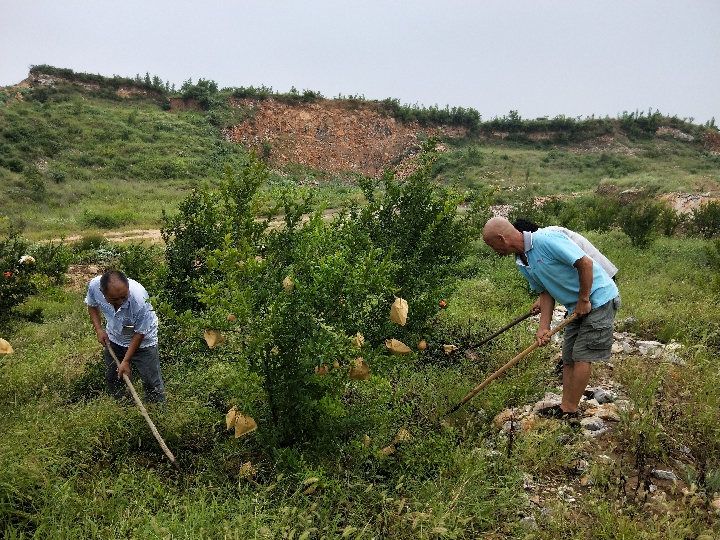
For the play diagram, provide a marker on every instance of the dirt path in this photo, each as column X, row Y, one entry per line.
column 153, row 235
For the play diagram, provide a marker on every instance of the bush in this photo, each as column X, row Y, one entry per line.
column 669, row 219
column 201, row 226
column 16, row 284
column 19, row 280
column 89, row 242
column 705, row 220
column 51, row 259
column 107, row 220
column 344, row 274
column 141, row 263
column 600, row 213
column 639, row 221
column 553, row 211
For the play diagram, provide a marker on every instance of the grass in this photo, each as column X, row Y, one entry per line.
column 123, row 161
column 75, row 464
column 522, row 171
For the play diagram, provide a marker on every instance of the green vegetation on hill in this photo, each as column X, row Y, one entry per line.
column 75, row 156
column 325, row 461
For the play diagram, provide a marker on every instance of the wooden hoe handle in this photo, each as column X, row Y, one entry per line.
column 508, row 365
column 136, row 398
column 506, row 327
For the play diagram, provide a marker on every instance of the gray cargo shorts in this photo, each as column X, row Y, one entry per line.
column 590, row 338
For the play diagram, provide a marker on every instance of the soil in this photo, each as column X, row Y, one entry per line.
column 328, row 134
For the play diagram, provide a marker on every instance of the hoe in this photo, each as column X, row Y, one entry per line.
column 511, row 362
column 136, row 398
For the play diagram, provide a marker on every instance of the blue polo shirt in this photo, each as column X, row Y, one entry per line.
column 136, row 311
column 550, row 257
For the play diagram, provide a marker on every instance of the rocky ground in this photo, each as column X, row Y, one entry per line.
column 603, row 407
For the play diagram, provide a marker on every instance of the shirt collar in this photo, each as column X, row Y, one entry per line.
column 527, row 246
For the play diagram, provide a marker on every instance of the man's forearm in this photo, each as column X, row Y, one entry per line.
column 94, row 313
column 133, row 346
column 585, row 274
column 547, row 304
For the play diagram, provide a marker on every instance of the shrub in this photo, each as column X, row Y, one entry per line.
column 639, row 221
column 51, row 259
column 600, row 213
column 345, row 276
column 141, row 263
column 415, row 222
column 89, row 242
column 200, row 227
column 553, row 211
column 15, row 278
column 669, row 219
column 639, row 126
column 705, row 220
column 107, row 220
column 19, row 280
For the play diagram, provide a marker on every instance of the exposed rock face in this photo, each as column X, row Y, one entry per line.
column 328, row 135
column 711, row 142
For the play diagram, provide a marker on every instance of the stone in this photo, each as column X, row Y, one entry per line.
column 550, row 399
column 592, row 434
column 623, row 405
column 603, row 396
column 586, row 481
column 674, row 359
column 529, row 523
column 528, row 482
column 608, row 412
column 513, row 426
column 505, row 416
column 617, row 348
column 593, row 423
column 663, row 475
column 650, row 348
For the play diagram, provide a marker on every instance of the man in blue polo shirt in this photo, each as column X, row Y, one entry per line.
column 131, row 330
column 560, row 271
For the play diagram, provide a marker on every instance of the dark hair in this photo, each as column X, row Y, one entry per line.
column 523, row 225
column 112, row 275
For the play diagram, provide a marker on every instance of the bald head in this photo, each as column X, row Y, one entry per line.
column 115, row 287
column 500, row 235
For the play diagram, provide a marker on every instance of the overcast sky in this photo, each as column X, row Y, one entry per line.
column 539, row 57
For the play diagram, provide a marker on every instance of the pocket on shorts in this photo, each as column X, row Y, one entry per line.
column 599, row 335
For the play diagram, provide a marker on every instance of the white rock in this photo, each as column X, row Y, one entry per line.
column 550, row 399
column 592, row 434
column 593, row 423
column 649, row 347
column 663, row 475
column 674, row 359
column 603, row 396
column 515, row 426
column 623, row 405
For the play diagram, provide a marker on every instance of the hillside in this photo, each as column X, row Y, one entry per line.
column 313, row 361
column 114, row 142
